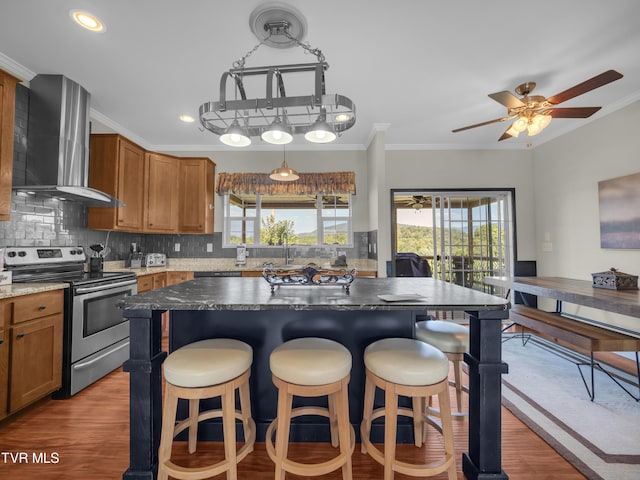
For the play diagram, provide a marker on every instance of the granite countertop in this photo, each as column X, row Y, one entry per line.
column 244, row 293
column 18, row 289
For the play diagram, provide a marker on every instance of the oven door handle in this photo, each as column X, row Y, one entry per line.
column 81, row 290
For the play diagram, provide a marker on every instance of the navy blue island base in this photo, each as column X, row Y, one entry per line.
column 245, row 309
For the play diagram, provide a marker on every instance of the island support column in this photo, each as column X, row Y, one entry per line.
column 483, row 460
column 145, row 391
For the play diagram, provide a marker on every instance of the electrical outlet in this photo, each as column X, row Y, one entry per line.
column 209, row 247
column 176, row 247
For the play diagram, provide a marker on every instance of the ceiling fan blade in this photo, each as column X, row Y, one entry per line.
column 505, row 135
column 578, row 112
column 586, row 86
column 481, row 124
column 507, row 99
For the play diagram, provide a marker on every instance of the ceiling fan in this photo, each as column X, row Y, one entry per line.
column 534, row 112
column 417, row 202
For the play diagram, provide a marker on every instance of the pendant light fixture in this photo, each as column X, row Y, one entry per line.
column 276, row 118
column 284, row 173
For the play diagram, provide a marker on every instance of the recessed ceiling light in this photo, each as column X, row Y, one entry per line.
column 187, row 118
column 88, row 21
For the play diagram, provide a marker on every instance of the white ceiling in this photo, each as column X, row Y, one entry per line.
column 414, row 68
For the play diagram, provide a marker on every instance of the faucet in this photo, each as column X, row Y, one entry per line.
column 286, row 247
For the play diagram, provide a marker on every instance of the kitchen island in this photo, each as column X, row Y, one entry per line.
column 245, row 309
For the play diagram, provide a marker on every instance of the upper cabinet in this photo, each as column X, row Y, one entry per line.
column 161, row 199
column 117, row 167
column 196, row 195
column 7, row 113
column 161, row 193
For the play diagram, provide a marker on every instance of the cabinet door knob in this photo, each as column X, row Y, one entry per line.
column 20, row 335
column 42, row 307
column 1, row 341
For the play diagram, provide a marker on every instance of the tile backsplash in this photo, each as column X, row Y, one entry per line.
column 50, row 222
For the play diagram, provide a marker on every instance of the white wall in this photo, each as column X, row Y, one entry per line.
column 566, row 175
column 452, row 169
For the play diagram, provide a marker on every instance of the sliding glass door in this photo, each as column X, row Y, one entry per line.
column 464, row 235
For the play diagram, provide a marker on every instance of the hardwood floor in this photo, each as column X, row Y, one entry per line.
column 87, row 437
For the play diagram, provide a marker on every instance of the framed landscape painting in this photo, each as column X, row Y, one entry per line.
column 619, row 201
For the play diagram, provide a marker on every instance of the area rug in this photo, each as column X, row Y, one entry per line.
column 544, row 389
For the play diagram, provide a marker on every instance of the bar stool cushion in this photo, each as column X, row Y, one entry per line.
column 406, row 361
column 310, row 361
column 446, row 336
column 207, row 362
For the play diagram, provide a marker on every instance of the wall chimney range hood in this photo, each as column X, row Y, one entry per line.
column 57, row 161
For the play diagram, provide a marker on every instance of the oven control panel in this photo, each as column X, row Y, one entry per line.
column 24, row 256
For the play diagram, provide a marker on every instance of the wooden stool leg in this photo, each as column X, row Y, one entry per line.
column 447, row 431
column 390, row 426
column 229, row 428
column 365, row 429
column 457, row 371
column 333, row 420
column 168, row 425
column 418, row 421
column 344, row 430
column 194, row 411
column 245, row 410
column 285, row 399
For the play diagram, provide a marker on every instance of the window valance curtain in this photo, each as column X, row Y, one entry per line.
column 323, row 183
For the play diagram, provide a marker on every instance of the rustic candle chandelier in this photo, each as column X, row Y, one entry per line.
column 319, row 116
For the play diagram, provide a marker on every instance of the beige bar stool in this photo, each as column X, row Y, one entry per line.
column 206, row 369
column 311, row 367
column 453, row 340
column 405, row 366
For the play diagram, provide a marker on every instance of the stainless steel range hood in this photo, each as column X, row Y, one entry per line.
column 57, row 162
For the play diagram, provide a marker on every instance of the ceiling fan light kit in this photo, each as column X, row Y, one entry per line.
column 533, row 113
column 276, row 118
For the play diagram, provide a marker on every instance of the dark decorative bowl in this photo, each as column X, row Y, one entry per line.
column 308, row 275
column 615, row 280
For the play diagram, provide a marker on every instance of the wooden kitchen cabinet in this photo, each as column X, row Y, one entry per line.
column 197, row 177
column 161, row 197
column 178, row 277
column 31, row 353
column 7, row 115
column 117, row 168
column 4, row 362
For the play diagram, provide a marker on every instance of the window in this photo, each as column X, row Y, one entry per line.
column 272, row 220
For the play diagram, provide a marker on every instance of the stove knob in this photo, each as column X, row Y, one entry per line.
column 11, row 254
column 22, row 253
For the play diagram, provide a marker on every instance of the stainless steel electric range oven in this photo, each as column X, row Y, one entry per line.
column 96, row 336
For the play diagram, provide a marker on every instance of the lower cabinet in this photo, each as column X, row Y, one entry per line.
column 4, row 370
column 31, row 350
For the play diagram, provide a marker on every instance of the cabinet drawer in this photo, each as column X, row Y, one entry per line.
column 178, row 277
column 37, row 305
column 145, row 283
